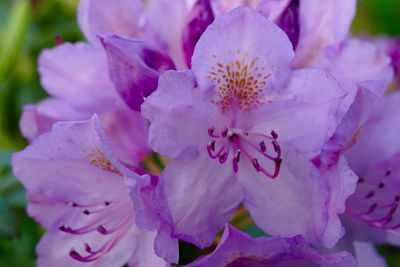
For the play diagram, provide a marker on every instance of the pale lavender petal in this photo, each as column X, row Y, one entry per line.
column 322, row 23
column 134, row 67
column 198, row 20
column 32, row 124
column 342, row 182
column 127, row 132
column 350, row 127
column 78, row 163
column 169, row 20
column 224, row 6
column 243, row 37
column 144, row 254
column 179, row 114
column 291, row 204
column 126, row 129
column 273, row 9
column 124, row 17
column 77, row 73
column 367, row 256
column 238, row 249
column 196, row 196
column 165, row 246
column 354, row 61
column 306, row 115
column 378, row 137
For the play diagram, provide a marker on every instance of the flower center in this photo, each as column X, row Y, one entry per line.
column 111, row 219
column 240, row 142
column 239, row 83
column 376, row 202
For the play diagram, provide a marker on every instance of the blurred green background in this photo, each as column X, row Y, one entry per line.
column 26, row 27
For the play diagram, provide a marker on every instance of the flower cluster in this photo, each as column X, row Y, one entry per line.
column 261, row 106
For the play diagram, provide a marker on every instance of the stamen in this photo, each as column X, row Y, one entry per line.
column 101, row 229
column 276, row 146
column 263, row 147
column 211, row 131
column 388, row 172
column 274, row 134
column 224, row 132
column 86, row 212
column 381, row 185
column 233, row 137
column 370, row 194
column 256, row 165
column 212, row 145
column 236, row 158
column 75, row 255
column 223, row 157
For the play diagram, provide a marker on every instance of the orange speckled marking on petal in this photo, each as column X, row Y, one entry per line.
column 97, row 158
column 239, row 83
column 353, row 139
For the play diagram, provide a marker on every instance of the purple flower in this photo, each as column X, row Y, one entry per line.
column 366, row 142
column 238, row 249
column 77, row 190
column 232, row 123
column 318, row 31
column 76, row 76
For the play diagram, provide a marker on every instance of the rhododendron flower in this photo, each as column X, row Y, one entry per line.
column 318, row 30
column 232, row 124
column 238, row 249
column 76, row 76
column 367, row 139
column 76, row 189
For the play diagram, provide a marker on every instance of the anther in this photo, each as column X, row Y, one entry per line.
column 263, row 147
column 372, row 208
column 237, row 155
column 274, row 134
column 223, row 157
column 370, row 194
column 388, row 172
column 211, row 131
column 101, row 229
column 360, row 180
column 88, row 248
column 106, row 203
column 211, row 145
column 74, row 204
column 276, row 145
column 381, row 185
column 74, row 254
column 397, row 198
column 86, row 212
column 61, row 228
column 278, row 162
column 224, row 132
column 256, row 164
